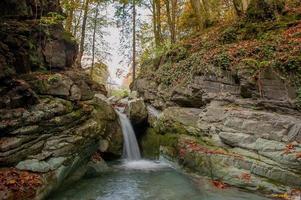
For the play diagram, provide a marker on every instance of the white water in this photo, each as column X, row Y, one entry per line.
column 144, row 165
column 130, row 147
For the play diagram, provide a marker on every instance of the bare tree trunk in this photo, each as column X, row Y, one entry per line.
column 77, row 23
column 134, row 40
column 195, row 4
column 82, row 39
column 94, row 37
column 69, row 19
column 205, row 11
column 237, row 4
column 173, row 19
column 169, row 21
column 158, row 19
column 154, row 12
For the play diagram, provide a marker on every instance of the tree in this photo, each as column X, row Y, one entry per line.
column 134, row 39
column 94, row 35
column 83, row 31
column 157, row 22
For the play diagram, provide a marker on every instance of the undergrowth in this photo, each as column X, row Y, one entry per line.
column 244, row 45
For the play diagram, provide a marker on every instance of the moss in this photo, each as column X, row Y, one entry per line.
column 120, row 93
column 177, row 53
column 40, row 86
column 52, row 18
column 68, row 37
column 152, row 141
column 290, row 68
column 52, row 79
column 223, row 61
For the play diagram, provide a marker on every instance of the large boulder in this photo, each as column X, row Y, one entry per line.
column 99, row 73
column 136, row 110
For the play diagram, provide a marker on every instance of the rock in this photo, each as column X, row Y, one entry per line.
column 100, row 73
column 146, row 88
column 28, row 8
column 115, row 140
column 123, row 102
column 136, row 110
column 153, row 115
column 294, row 133
column 96, row 166
column 233, row 143
column 56, row 135
column 34, row 166
column 187, row 97
column 28, row 54
column 133, row 95
column 55, row 54
column 103, row 145
column 51, row 121
column 180, row 119
column 16, row 93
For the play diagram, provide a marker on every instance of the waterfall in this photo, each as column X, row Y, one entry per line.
column 130, row 147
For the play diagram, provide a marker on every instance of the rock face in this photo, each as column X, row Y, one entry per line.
column 100, row 73
column 54, row 130
column 53, row 118
column 136, row 110
column 30, row 42
column 226, row 127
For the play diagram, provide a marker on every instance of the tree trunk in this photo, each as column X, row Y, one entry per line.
column 134, row 40
column 158, row 20
column 94, row 37
column 169, row 20
column 237, row 4
column 69, row 19
column 196, row 6
column 173, row 19
column 154, row 12
column 77, row 23
column 82, row 39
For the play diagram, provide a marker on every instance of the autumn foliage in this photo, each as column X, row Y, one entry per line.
column 16, row 184
column 194, row 147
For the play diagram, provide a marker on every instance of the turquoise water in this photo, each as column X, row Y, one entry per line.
column 146, row 180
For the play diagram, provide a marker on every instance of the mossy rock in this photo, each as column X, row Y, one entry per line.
column 153, row 140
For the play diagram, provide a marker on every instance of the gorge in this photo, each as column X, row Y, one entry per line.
column 215, row 116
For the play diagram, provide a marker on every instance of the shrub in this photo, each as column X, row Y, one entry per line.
column 229, row 35
column 222, row 61
column 261, row 10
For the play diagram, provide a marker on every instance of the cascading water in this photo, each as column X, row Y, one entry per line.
column 130, row 148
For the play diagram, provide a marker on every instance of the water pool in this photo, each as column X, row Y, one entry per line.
column 147, row 180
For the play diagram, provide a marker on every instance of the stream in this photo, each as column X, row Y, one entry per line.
column 147, row 180
column 136, row 179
